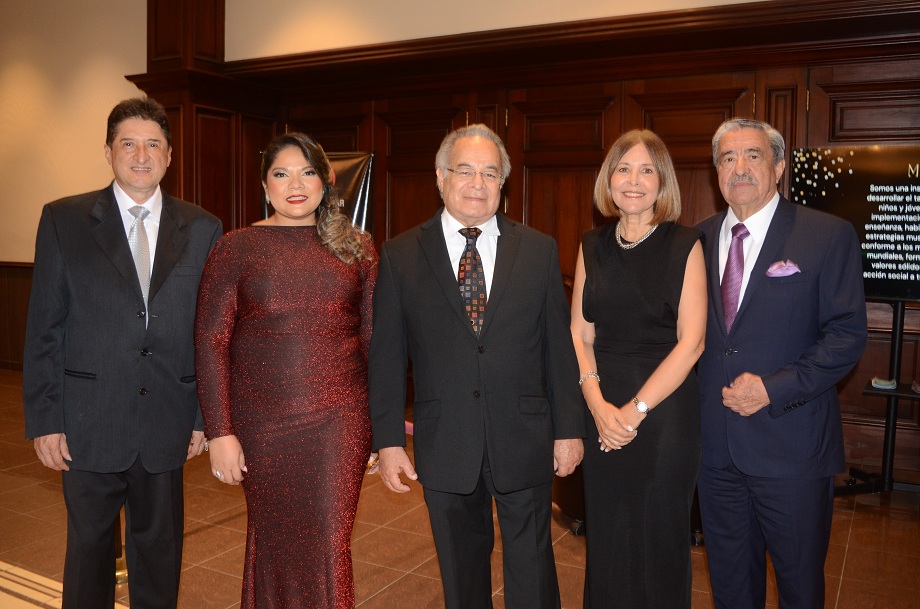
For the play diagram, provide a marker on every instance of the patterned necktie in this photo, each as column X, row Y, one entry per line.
column 734, row 273
column 472, row 279
column 140, row 248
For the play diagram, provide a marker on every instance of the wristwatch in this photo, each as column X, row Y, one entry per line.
column 640, row 406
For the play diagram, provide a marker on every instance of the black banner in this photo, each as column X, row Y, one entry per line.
column 877, row 189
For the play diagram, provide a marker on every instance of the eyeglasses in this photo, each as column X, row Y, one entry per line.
column 489, row 177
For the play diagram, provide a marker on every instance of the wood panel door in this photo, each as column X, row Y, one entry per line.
column 557, row 140
column 407, row 135
column 255, row 135
column 685, row 112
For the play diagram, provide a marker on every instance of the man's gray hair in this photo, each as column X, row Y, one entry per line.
column 478, row 129
column 777, row 143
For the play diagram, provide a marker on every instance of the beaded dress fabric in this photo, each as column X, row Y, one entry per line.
column 638, row 498
column 281, row 340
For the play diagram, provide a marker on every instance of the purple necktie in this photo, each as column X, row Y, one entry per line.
column 472, row 279
column 734, row 273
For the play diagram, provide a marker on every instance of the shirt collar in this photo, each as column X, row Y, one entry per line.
column 154, row 204
column 757, row 224
column 452, row 226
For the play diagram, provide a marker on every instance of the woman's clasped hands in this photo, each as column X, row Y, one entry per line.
column 617, row 426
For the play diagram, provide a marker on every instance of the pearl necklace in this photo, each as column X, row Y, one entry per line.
column 629, row 246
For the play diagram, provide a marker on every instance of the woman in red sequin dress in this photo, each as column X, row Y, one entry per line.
column 283, row 326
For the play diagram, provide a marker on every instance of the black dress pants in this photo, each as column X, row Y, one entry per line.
column 154, row 527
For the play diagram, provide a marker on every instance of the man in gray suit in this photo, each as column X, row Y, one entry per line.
column 475, row 301
column 109, row 368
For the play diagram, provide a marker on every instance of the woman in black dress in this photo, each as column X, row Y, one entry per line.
column 638, row 322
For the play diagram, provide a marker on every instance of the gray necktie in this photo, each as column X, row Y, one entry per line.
column 140, row 248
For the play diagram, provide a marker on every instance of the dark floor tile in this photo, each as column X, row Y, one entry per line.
column 28, row 499
column 700, row 577
column 393, row 549
column 836, row 557
column 415, row 520
column 361, row 529
column 35, row 471
column 379, row 505
column 862, row 595
column 15, row 454
column 571, row 586
column 570, row 550
column 230, row 562
column 234, row 518
column 430, row 568
column 17, row 530
column 45, row 556
column 371, row 579
column 202, row 540
column 411, row 591
column 204, row 503
column 883, row 569
column 10, row 482
column 206, row 589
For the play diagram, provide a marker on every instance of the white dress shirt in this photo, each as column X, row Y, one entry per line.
column 757, row 225
column 151, row 223
column 486, row 245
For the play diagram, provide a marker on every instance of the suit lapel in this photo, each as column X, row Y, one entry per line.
column 111, row 237
column 712, row 266
column 171, row 241
column 505, row 254
column 771, row 251
column 431, row 240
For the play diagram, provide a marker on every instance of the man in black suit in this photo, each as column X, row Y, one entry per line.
column 108, row 370
column 787, row 321
column 497, row 408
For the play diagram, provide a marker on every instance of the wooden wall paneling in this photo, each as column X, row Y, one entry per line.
column 667, row 43
column 407, row 136
column 15, row 285
column 781, row 101
column 685, row 112
column 174, row 181
column 255, row 135
column 557, row 140
column 185, row 34
column 864, row 103
column 338, row 127
column 215, row 153
column 491, row 112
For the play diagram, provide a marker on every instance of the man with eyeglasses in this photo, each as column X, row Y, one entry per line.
column 475, row 301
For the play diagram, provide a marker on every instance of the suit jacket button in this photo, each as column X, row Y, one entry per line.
column 481, row 349
column 143, row 391
column 728, row 352
column 145, row 352
column 141, row 313
column 475, row 393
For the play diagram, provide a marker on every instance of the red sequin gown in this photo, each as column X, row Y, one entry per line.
column 281, row 340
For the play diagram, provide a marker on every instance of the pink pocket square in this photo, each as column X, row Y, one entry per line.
column 783, row 268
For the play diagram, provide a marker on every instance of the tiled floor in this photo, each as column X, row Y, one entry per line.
column 874, row 559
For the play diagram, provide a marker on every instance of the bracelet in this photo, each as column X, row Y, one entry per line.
column 588, row 375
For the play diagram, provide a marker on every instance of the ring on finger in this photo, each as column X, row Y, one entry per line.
column 218, row 475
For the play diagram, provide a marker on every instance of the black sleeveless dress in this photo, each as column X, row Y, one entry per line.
column 638, row 499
